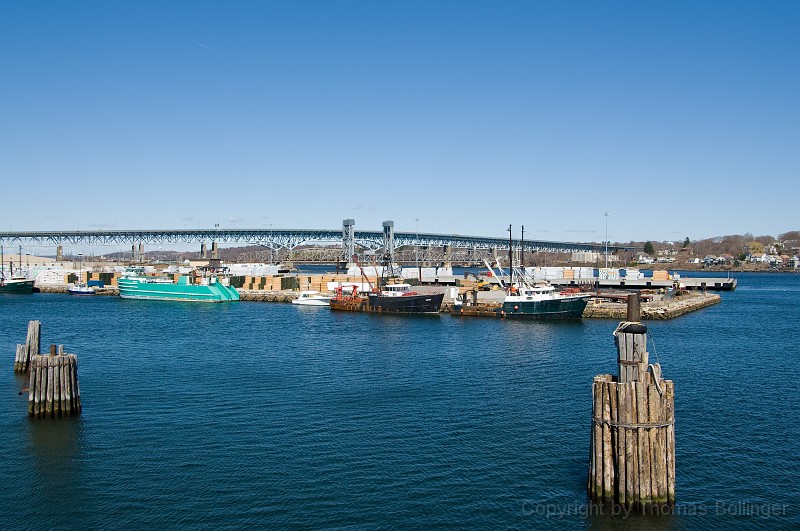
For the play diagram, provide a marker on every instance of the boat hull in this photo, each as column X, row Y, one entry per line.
column 159, row 291
column 81, row 292
column 15, row 286
column 376, row 303
column 567, row 308
column 311, row 302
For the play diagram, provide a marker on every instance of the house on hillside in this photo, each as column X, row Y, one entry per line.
column 709, row 260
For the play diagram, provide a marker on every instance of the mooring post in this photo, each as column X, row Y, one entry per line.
column 634, row 307
column 632, row 457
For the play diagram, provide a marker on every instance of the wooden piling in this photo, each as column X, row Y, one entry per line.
column 53, row 389
column 21, row 358
column 632, row 454
column 31, row 347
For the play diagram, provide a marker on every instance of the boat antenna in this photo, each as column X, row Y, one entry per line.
column 522, row 244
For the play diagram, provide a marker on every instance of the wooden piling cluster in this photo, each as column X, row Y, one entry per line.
column 632, row 457
column 30, row 348
column 53, row 389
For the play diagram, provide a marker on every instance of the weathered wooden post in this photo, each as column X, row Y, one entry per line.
column 632, row 458
column 31, row 347
column 53, row 389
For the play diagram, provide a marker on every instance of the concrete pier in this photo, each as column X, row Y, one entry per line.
column 667, row 308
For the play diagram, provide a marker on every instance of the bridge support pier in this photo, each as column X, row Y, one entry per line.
column 388, row 241
column 348, row 241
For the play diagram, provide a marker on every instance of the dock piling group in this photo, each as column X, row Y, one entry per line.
column 53, row 389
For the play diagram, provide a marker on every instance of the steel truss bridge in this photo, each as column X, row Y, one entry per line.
column 402, row 246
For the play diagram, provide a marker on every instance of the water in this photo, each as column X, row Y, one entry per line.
column 253, row 414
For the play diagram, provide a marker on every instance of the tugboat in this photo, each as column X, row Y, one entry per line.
column 386, row 297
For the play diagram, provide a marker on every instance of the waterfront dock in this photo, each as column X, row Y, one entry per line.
column 609, row 302
column 604, row 305
column 658, row 308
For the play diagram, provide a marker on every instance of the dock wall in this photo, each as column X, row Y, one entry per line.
column 663, row 309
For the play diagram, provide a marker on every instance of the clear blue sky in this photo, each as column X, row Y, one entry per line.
column 677, row 118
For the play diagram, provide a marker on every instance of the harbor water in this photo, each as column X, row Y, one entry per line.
column 275, row 415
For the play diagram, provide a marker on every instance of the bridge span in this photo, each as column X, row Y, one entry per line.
column 352, row 241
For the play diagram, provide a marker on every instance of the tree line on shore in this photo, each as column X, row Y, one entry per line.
column 735, row 245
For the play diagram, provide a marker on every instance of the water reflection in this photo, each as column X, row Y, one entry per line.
column 55, row 449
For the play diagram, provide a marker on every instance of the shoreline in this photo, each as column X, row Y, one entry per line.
column 597, row 309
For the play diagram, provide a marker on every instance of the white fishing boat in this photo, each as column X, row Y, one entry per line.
column 80, row 287
column 312, row 298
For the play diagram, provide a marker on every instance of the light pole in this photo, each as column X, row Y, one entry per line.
column 606, row 215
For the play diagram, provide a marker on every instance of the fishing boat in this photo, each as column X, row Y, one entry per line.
column 543, row 301
column 386, row 297
column 203, row 286
column 80, row 288
column 525, row 299
column 16, row 285
column 312, row 298
column 11, row 283
column 396, row 298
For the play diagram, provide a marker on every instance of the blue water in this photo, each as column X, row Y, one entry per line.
column 255, row 414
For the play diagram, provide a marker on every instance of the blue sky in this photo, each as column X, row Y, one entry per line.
column 677, row 118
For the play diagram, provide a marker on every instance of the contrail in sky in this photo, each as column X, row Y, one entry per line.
column 205, row 46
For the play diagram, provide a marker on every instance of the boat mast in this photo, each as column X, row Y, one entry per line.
column 510, row 259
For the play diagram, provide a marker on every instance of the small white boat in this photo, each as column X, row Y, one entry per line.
column 312, row 298
column 80, row 289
